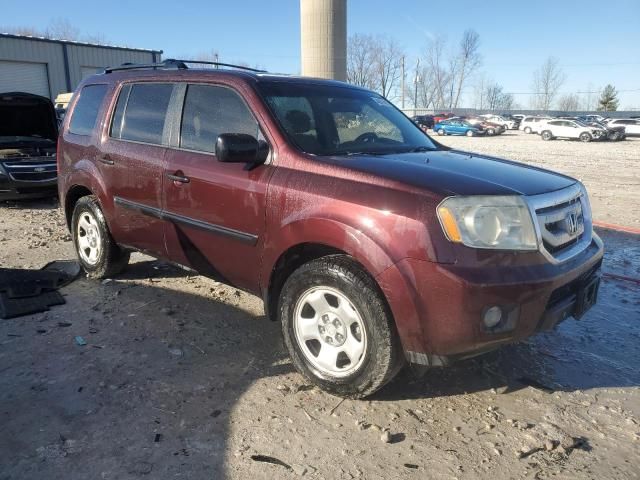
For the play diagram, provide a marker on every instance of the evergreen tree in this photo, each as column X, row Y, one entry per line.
column 608, row 101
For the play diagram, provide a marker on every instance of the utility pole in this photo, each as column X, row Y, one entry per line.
column 402, row 87
column 415, row 88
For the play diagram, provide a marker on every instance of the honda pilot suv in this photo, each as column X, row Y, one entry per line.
column 370, row 243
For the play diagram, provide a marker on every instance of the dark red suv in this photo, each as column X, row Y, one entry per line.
column 371, row 243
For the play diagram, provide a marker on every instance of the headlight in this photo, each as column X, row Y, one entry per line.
column 493, row 222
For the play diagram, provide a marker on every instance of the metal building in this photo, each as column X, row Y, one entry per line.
column 50, row 67
column 323, row 38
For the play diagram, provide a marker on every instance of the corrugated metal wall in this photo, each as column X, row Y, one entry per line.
column 80, row 58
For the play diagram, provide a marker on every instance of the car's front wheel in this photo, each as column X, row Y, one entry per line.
column 585, row 137
column 546, row 135
column 469, row 133
column 99, row 255
column 527, row 129
column 441, row 131
column 491, row 132
column 338, row 329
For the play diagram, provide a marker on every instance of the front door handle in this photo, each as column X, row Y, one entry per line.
column 106, row 159
column 178, row 177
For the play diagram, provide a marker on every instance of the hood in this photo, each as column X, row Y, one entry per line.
column 455, row 172
column 26, row 115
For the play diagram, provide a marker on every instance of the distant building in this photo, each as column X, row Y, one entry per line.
column 50, row 67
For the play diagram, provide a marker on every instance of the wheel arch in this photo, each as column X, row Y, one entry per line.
column 75, row 193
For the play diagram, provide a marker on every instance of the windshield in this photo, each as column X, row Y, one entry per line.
column 333, row 120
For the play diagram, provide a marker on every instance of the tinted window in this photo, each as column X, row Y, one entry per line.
column 145, row 112
column 208, row 112
column 85, row 113
column 118, row 115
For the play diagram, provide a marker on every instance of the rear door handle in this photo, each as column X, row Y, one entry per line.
column 106, row 159
column 178, row 177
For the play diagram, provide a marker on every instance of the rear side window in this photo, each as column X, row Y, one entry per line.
column 85, row 113
column 141, row 112
column 209, row 111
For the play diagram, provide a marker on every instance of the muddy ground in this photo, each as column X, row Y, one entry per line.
column 183, row 377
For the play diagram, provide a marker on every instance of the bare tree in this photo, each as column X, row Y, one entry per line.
column 547, row 80
column 467, row 62
column 440, row 75
column 569, row 103
column 387, row 69
column 61, row 29
column 360, row 53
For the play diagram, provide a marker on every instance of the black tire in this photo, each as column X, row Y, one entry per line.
column 111, row 259
column 546, row 135
column 383, row 355
column 441, row 132
column 491, row 132
column 585, row 137
column 469, row 133
column 527, row 130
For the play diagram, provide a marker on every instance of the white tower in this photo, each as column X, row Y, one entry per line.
column 323, row 32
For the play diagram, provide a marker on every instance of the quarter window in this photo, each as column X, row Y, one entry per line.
column 210, row 111
column 141, row 112
column 86, row 110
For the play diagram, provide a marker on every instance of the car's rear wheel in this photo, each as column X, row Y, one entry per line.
column 469, row 133
column 491, row 132
column 338, row 329
column 585, row 137
column 527, row 129
column 99, row 255
column 546, row 135
column 441, row 131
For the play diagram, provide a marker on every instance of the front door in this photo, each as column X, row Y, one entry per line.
column 132, row 164
column 215, row 211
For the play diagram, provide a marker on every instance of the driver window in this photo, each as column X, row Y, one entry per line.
column 351, row 125
column 211, row 110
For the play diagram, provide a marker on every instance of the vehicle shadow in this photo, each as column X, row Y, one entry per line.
column 599, row 351
column 151, row 393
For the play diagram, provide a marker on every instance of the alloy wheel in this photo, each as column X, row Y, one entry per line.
column 88, row 238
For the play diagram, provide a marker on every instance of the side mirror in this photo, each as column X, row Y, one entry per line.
column 240, row 148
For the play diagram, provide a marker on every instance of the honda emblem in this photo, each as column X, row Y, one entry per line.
column 572, row 223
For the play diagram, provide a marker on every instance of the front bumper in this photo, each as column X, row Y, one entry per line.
column 439, row 308
column 16, row 190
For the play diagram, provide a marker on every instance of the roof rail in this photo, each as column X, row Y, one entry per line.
column 179, row 64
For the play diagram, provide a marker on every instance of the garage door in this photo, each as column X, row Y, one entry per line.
column 24, row 77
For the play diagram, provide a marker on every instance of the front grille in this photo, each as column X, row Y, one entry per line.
column 563, row 222
column 43, row 170
column 561, row 225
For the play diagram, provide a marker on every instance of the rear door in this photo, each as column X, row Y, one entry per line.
column 132, row 163
column 215, row 211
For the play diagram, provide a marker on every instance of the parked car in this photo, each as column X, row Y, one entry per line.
column 455, row 126
column 532, row 124
column 28, row 134
column 570, row 129
column 438, row 117
column 591, row 118
column 425, row 122
column 507, row 123
column 602, row 131
column 631, row 126
column 368, row 241
column 489, row 128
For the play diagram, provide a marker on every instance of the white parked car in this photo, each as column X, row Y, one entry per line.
column 506, row 123
column 560, row 128
column 631, row 125
column 532, row 124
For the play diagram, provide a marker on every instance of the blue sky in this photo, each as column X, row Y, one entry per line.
column 597, row 42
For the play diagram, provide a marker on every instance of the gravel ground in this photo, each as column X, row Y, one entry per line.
column 609, row 170
column 183, row 377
